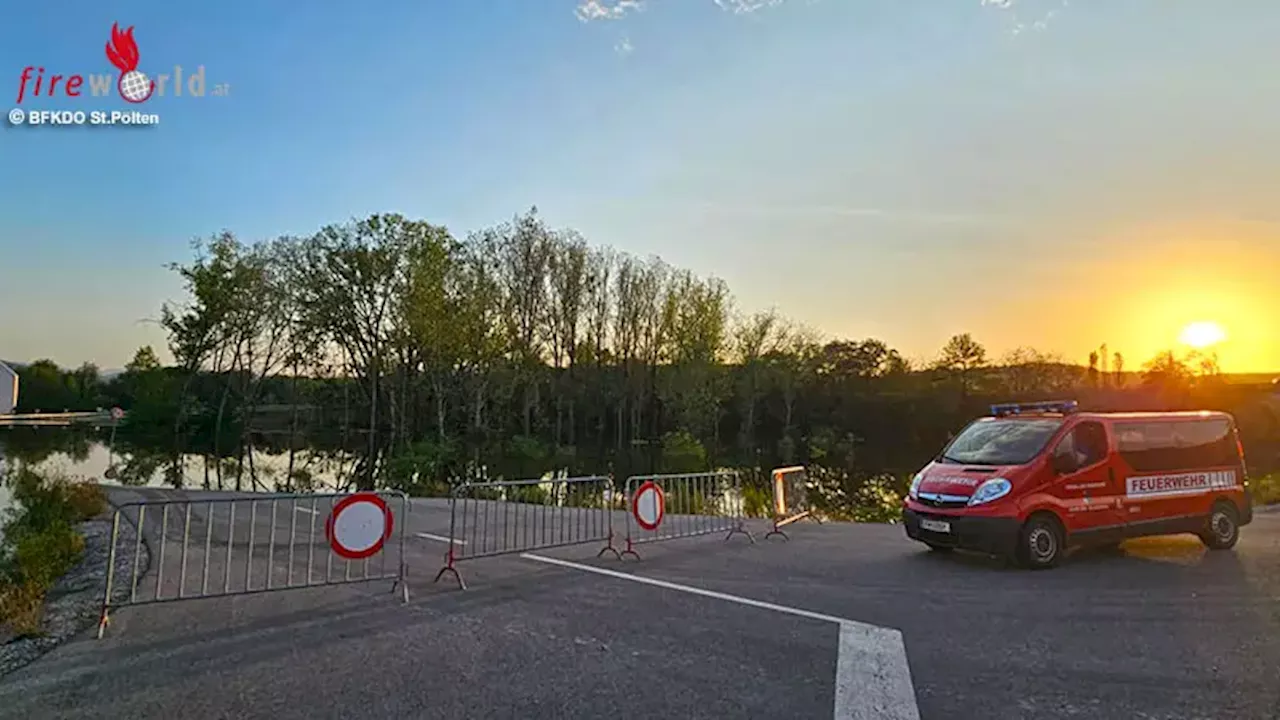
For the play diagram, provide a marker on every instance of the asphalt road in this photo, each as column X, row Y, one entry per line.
column 711, row 629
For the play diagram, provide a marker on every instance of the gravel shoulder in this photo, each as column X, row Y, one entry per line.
column 73, row 605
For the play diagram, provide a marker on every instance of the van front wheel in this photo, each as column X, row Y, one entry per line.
column 1223, row 528
column 1041, row 544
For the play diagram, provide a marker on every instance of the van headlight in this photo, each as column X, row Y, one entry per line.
column 993, row 489
column 915, row 485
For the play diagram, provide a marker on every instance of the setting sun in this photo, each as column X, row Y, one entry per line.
column 1202, row 334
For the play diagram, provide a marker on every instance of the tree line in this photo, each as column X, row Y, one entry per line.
column 521, row 349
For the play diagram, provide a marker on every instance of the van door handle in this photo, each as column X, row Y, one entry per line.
column 1111, row 475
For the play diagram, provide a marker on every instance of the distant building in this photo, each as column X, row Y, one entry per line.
column 8, row 389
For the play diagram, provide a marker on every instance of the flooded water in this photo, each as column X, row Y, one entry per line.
column 59, row 453
column 94, row 456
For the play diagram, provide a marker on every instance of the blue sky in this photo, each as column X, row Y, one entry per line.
column 870, row 168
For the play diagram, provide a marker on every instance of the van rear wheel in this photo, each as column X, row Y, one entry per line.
column 1222, row 529
column 1042, row 543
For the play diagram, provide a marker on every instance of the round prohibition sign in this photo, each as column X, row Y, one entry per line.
column 358, row 526
column 649, row 505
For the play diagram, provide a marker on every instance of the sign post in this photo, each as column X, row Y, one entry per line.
column 117, row 414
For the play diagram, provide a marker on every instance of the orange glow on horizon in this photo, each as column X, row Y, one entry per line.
column 1211, row 286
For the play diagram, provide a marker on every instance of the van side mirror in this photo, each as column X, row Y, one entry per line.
column 1065, row 463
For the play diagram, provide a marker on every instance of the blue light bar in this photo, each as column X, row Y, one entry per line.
column 1060, row 407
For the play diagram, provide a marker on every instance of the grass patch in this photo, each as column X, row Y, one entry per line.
column 757, row 502
column 40, row 542
column 1266, row 489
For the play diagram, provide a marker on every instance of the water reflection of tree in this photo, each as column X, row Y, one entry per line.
column 138, row 466
column 319, row 462
column 34, row 445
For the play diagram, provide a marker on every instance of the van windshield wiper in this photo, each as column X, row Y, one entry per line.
column 956, row 461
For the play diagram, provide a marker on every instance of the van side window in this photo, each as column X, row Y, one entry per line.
column 1087, row 442
column 1091, row 442
column 1167, row 445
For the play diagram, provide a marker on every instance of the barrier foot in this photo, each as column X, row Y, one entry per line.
column 742, row 530
column 609, row 548
column 450, row 569
column 402, row 584
column 631, row 549
column 771, row 533
column 102, row 623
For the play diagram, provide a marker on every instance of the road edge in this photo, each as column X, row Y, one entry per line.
column 73, row 605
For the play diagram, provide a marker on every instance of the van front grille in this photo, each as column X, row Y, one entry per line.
column 939, row 500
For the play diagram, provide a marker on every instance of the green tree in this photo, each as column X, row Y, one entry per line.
column 1027, row 373
column 756, row 338
column 87, row 382
column 143, row 361
column 961, row 358
column 46, row 388
column 682, row 453
column 1166, row 369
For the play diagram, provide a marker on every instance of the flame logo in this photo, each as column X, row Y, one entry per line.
column 122, row 51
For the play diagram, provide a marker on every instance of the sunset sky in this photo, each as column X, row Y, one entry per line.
column 1042, row 174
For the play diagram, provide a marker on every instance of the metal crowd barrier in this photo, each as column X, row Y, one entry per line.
column 790, row 498
column 220, row 549
column 694, row 504
column 488, row 519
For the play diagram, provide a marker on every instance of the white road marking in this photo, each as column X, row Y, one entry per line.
column 440, row 538
column 688, row 589
column 873, row 677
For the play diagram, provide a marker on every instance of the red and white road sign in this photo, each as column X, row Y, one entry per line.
column 648, row 505
column 358, row 526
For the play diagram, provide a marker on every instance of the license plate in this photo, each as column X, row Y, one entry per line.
column 935, row 526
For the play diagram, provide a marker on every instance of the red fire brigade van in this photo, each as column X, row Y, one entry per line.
column 1033, row 479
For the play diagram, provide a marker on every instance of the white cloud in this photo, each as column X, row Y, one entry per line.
column 589, row 10
column 1028, row 15
column 624, row 47
column 746, row 6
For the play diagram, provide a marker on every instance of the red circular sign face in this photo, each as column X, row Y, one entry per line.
column 358, row 526
column 648, row 505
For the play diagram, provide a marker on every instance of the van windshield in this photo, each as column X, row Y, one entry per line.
column 1000, row 442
